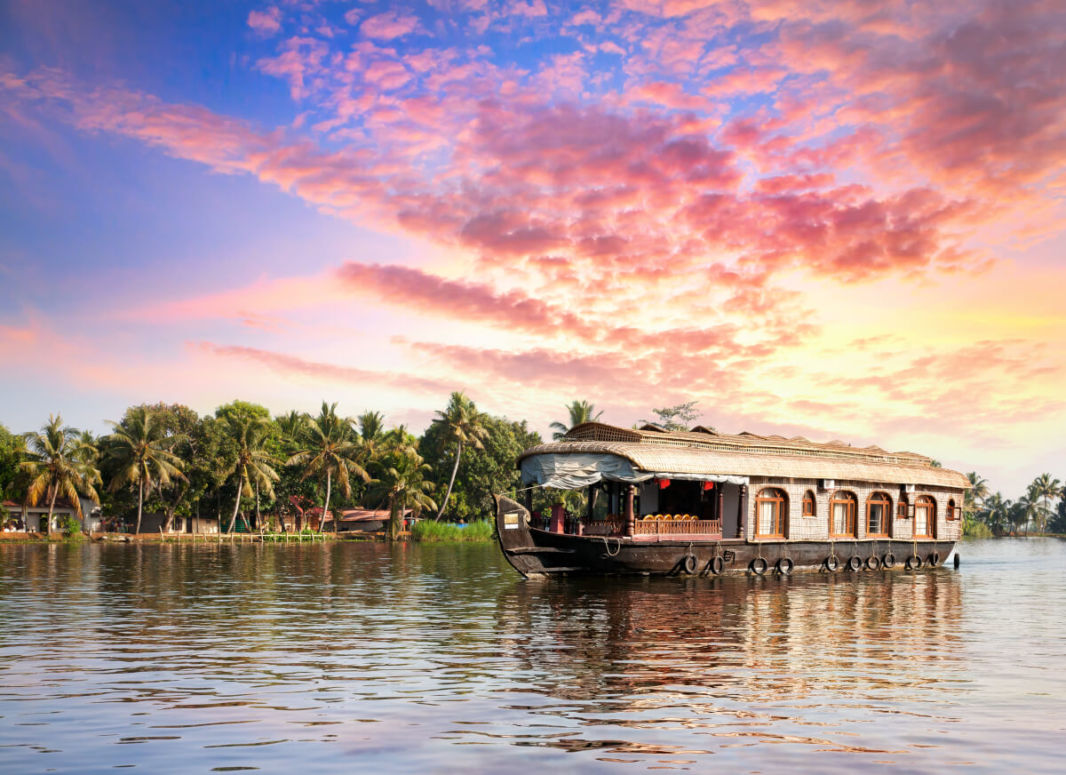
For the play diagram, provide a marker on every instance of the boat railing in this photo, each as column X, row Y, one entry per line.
column 678, row 527
column 653, row 527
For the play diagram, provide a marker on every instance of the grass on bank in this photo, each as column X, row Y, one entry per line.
column 429, row 531
column 974, row 529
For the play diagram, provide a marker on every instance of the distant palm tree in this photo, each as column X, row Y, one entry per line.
column 996, row 512
column 59, row 464
column 1046, row 487
column 402, row 480
column 580, row 412
column 1025, row 509
column 293, row 427
column 463, row 424
column 138, row 451
column 371, row 425
column 974, row 497
column 331, row 450
column 254, row 465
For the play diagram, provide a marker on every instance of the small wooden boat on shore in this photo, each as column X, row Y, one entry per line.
column 700, row 502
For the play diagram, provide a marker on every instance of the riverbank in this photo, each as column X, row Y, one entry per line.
column 423, row 532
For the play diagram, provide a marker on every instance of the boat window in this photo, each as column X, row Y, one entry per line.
column 842, row 511
column 770, row 510
column 878, row 514
column 952, row 514
column 901, row 507
column 808, row 504
column 924, row 516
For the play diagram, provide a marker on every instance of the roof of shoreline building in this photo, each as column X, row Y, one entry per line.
column 705, row 451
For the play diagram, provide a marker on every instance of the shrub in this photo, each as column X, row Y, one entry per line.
column 71, row 529
column 975, row 529
column 429, row 531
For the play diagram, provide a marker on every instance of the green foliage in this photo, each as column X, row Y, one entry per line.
column 1057, row 524
column 677, row 418
column 331, row 451
column 428, row 531
column 482, row 472
column 249, row 433
column 975, row 529
column 71, row 528
column 580, row 412
column 400, row 477
column 462, row 426
column 12, row 454
column 59, row 465
column 138, row 454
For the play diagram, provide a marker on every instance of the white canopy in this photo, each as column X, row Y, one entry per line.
column 575, row 470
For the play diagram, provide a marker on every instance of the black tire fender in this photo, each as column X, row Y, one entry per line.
column 873, row 562
column 933, row 559
column 888, row 561
column 716, row 565
column 785, row 565
column 758, row 566
column 832, row 564
column 914, row 562
column 689, row 564
column 855, row 562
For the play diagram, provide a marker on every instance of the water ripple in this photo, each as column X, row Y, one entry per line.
column 222, row 658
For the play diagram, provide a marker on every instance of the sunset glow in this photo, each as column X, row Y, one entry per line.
column 839, row 220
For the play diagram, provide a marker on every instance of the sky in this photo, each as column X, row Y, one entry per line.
column 842, row 220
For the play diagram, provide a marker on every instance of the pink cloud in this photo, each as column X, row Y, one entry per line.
column 267, row 22
column 293, row 366
column 389, row 25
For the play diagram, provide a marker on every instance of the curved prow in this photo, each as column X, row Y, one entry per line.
column 512, row 529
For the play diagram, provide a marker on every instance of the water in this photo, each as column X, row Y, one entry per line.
column 361, row 657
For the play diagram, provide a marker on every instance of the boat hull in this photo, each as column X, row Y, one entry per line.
column 534, row 552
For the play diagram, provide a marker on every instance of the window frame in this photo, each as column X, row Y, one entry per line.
column 883, row 499
column 952, row 511
column 925, row 502
column 808, row 497
column 779, row 519
column 850, row 499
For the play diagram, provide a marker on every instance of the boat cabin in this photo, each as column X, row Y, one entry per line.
column 653, row 485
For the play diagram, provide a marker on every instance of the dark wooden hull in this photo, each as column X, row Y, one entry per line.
column 534, row 552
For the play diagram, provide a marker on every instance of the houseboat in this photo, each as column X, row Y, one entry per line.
column 704, row 503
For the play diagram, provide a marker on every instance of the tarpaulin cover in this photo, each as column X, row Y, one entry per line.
column 580, row 469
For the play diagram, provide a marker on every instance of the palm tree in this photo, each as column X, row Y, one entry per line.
column 974, row 497
column 1045, row 487
column 253, row 468
column 1023, row 510
column 463, row 424
column 402, row 480
column 996, row 511
column 59, row 464
column 293, row 427
column 371, row 425
column 138, row 451
column 331, row 451
column 580, row 412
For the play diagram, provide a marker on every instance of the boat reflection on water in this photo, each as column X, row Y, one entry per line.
column 768, row 658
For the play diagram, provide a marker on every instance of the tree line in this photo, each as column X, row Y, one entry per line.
column 1042, row 508
column 247, row 468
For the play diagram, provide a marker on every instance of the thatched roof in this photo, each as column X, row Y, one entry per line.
column 705, row 452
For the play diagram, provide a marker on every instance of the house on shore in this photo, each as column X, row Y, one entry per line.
column 33, row 519
column 153, row 522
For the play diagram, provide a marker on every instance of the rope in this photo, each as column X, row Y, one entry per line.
column 531, row 487
column 618, row 547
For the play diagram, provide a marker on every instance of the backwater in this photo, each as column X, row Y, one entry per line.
column 345, row 657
